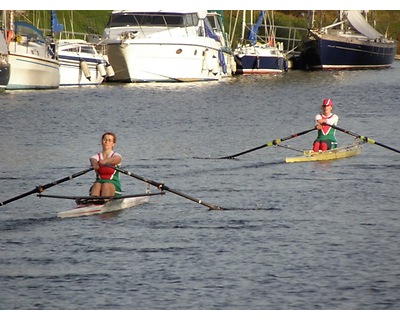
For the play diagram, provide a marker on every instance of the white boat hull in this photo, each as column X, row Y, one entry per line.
column 33, row 64
column 32, row 72
column 111, row 206
column 260, row 60
column 193, row 60
column 71, row 74
column 167, row 47
column 80, row 63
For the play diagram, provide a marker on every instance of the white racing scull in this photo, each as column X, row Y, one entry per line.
column 87, row 206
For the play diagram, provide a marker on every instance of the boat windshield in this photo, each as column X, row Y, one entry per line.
column 28, row 30
column 153, row 19
column 82, row 49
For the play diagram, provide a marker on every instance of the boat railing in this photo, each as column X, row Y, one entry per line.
column 325, row 29
column 289, row 39
column 88, row 37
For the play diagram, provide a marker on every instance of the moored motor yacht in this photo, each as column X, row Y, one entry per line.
column 165, row 46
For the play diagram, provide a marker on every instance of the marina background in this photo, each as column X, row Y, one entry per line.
column 296, row 236
column 91, row 23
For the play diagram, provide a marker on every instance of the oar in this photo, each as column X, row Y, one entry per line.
column 269, row 144
column 41, row 188
column 54, row 196
column 163, row 187
column 365, row 139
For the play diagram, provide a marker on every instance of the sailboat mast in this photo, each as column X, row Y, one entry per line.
column 243, row 24
column 341, row 19
column 11, row 24
column 3, row 22
column 312, row 22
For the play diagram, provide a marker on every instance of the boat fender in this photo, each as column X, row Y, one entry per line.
column 85, row 69
column 211, row 61
column 109, row 70
column 215, row 69
column 102, row 70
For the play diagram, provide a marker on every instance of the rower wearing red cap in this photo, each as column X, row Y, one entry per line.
column 326, row 138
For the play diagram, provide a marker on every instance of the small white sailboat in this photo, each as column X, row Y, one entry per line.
column 32, row 58
column 81, row 64
column 4, row 65
column 259, row 55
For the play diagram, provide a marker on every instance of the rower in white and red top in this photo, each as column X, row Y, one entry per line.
column 107, row 178
column 326, row 138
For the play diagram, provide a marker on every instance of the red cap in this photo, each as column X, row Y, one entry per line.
column 327, row 102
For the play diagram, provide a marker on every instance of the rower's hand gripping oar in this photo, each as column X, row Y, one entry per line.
column 269, row 144
column 41, row 188
column 365, row 139
column 163, row 187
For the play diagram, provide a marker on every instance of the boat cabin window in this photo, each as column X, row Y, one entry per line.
column 147, row 19
column 87, row 49
column 81, row 49
column 214, row 23
column 74, row 49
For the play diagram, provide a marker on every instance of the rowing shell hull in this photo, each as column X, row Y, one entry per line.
column 111, row 206
column 339, row 153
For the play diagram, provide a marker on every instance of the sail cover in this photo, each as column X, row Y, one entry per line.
column 361, row 25
column 3, row 44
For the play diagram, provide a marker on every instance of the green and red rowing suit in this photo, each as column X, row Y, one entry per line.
column 327, row 133
column 108, row 175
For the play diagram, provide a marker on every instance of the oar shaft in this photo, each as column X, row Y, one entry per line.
column 163, row 187
column 36, row 190
column 386, row 146
column 269, row 144
column 41, row 188
column 363, row 138
column 51, row 184
column 99, row 197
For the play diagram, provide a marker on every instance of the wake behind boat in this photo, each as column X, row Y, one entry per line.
column 88, row 206
column 333, row 154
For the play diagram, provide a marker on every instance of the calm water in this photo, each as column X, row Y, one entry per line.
column 297, row 236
